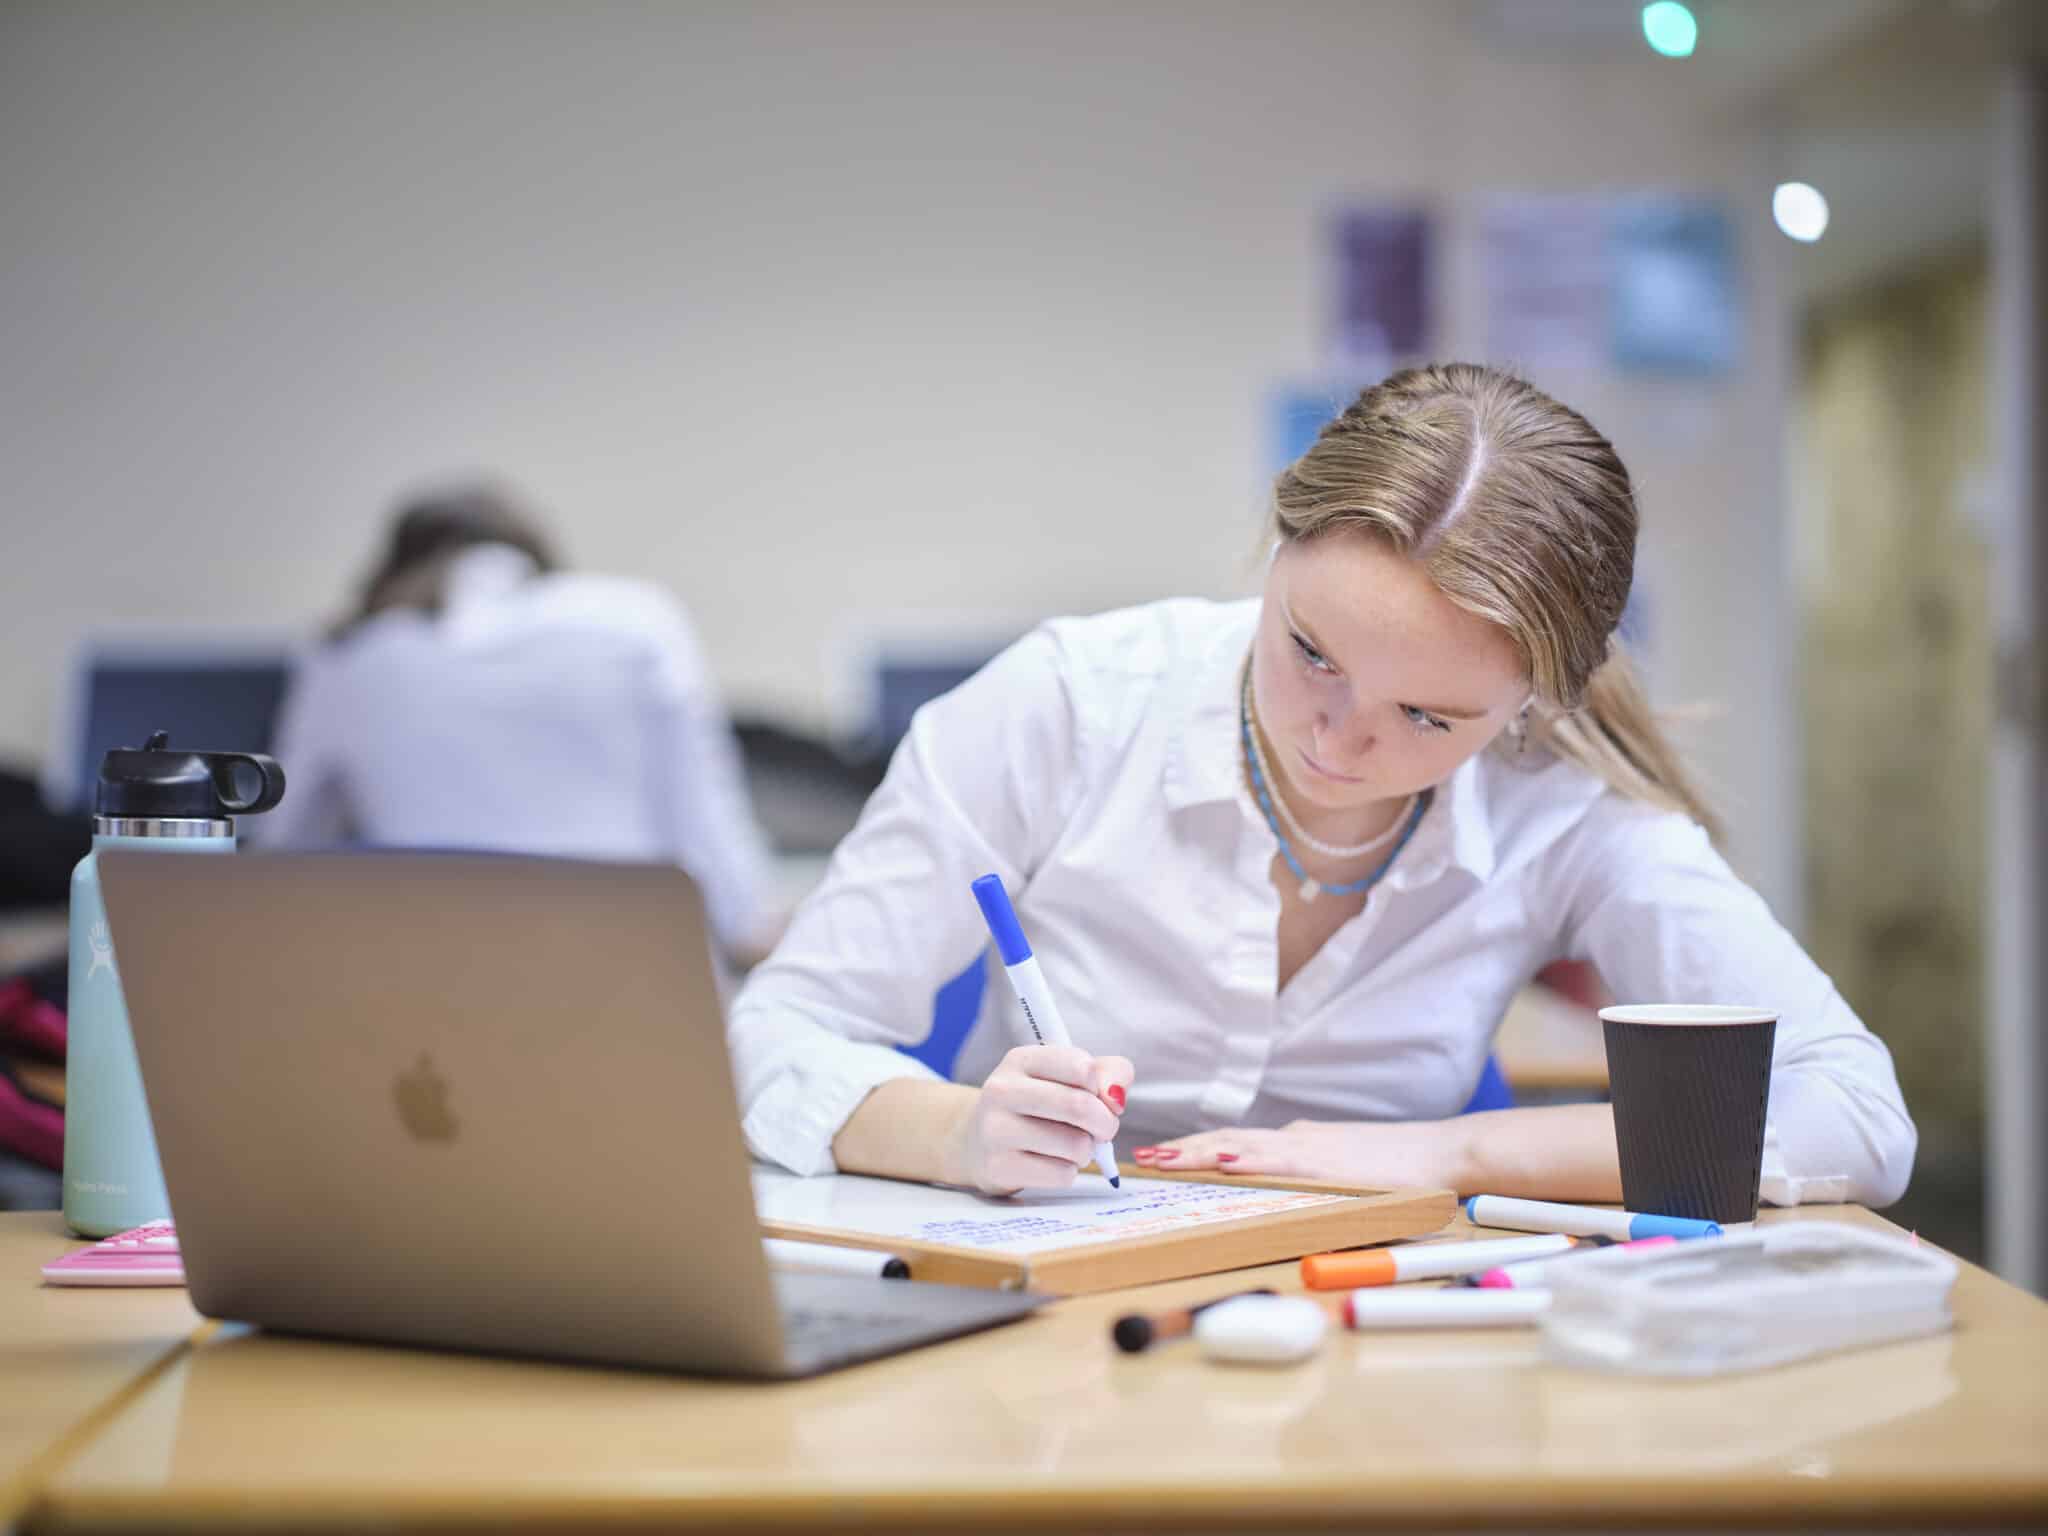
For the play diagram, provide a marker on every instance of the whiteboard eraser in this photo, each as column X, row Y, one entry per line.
column 1262, row 1330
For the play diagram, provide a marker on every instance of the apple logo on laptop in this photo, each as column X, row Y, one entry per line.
column 422, row 1095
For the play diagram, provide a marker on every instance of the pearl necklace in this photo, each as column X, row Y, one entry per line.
column 1311, row 887
column 1301, row 833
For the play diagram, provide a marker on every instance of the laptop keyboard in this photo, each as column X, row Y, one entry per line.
column 830, row 1320
column 817, row 1330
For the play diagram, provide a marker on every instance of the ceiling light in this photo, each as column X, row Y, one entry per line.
column 1669, row 28
column 1800, row 211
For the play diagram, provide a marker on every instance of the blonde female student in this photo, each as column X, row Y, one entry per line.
column 1285, row 861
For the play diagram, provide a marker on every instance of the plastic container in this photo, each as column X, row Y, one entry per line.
column 1744, row 1302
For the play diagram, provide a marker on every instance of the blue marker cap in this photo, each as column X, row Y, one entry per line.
column 1671, row 1226
column 1002, row 919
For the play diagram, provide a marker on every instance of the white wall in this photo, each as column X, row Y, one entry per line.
column 809, row 310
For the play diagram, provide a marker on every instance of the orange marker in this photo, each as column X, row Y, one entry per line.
column 1425, row 1261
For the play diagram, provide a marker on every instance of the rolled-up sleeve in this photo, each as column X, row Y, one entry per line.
column 979, row 785
column 1643, row 895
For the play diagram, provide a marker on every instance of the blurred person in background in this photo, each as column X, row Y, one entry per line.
column 481, row 697
column 1286, row 860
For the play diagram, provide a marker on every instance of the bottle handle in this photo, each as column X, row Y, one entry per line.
column 269, row 788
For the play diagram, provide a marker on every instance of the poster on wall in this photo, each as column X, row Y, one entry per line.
column 1295, row 413
column 1546, row 280
column 1298, row 409
column 1673, row 301
column 1638, row 283
column 1382, row 286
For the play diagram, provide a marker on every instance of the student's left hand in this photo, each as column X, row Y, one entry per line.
column 1367, row 1154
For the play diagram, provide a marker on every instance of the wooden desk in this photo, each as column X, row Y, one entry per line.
column 68, row 1358
column 1043, row 1426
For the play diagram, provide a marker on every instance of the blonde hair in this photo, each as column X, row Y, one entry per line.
column 1523, row 516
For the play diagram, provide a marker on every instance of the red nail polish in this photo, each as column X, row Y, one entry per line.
column 1115, row 1094
column 1169, row 1152
column 1226, row 1157
column 1145, row 1152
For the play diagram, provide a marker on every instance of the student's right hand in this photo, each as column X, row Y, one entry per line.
column 1036, row 1120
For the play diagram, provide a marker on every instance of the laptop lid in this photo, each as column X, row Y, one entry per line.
column 448, row 1099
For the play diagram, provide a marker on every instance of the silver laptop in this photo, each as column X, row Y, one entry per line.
column 471, row 1101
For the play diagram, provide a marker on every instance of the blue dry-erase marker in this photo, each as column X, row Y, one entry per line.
column 1580, row 1220
column 1028, row 981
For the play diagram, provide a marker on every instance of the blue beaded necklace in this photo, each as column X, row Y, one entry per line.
column 1311, row 887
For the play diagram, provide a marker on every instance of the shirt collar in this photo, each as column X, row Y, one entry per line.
column 1203, row 757
column 1456, row 831
column 1204, row 764
column 475, row 594
column 483, row 575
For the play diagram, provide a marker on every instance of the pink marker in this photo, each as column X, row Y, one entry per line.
column 1530, row 1272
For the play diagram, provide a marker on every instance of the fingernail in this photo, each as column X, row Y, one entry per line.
column 1116, row 1096
column 1168, row 1152
column 1226, row 1157
column 1144, row 1151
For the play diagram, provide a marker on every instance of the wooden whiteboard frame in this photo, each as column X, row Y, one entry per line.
column 1361, row 1218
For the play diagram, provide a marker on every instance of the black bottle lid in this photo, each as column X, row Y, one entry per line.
column 154, row 782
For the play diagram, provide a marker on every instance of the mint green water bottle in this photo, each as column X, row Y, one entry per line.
column 161, row 801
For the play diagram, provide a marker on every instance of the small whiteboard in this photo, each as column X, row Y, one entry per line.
column 1089, row 1237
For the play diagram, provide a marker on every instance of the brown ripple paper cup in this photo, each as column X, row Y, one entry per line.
column 1690, row 1084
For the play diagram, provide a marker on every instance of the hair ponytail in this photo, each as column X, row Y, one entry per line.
column 1615, row 735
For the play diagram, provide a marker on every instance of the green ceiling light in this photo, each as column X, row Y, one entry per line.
column 1669, row 28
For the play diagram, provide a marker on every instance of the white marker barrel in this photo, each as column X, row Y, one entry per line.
column 1453, row 1307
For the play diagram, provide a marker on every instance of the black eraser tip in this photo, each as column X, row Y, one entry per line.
column 1132, row 1333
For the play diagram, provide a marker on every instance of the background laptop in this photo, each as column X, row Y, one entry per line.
column 471, row 1101
column 209, row 686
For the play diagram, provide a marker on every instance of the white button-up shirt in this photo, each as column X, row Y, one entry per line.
column 1097, row 767
column 567, row 714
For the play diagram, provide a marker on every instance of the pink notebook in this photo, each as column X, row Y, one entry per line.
column 144, row 1255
